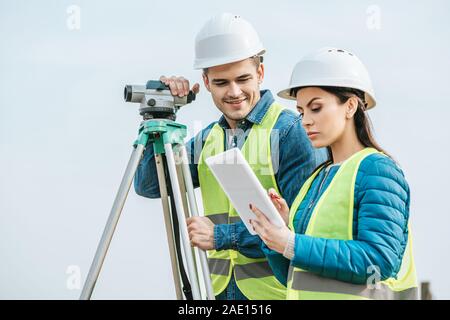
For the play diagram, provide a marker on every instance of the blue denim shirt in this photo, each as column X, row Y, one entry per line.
column 293, row 159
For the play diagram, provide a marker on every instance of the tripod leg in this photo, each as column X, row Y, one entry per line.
column 111, row 224
column 194, row 211
column 182, row 221
column 169, row 225
column 182, row 184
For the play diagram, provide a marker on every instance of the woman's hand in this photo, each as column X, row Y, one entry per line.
column 274, row 237
column 280, row 204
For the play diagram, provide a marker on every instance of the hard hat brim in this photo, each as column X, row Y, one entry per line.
column 208, row 62
column 286, row 93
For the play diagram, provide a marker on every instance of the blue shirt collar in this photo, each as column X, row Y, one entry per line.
column 257, row 113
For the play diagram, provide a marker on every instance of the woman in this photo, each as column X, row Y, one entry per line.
column 346, row 234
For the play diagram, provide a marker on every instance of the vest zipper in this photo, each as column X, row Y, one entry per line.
column 303, row 222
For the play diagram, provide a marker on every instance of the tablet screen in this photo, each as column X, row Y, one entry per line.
column 242, row 187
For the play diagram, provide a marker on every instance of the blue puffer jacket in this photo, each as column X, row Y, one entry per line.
column 380, row 227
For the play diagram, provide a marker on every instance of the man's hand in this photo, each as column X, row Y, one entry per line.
column 179, row 86
column 201, row 232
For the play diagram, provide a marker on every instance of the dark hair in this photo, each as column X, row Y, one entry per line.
column 257, row 60
column 362, row 121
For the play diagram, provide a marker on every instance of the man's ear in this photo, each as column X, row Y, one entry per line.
column 352, row 106
column 260, row 73
column 206, row 82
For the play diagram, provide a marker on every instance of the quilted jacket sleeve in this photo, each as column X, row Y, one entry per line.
column 382, row 208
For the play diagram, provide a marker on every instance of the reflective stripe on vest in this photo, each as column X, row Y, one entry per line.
column 307, row 281
column 254, row 277
column 220, row 267
column 219, row 218
column 223, row 218
column 253, row 270
column 244, row 271
column 332, row 218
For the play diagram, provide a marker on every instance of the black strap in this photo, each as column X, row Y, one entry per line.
column 176, row 231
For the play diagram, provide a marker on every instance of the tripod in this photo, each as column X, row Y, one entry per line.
column 175, row 181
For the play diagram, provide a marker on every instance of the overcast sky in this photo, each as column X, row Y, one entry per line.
column 66, row 133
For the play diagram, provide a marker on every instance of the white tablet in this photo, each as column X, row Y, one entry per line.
column 242, row 187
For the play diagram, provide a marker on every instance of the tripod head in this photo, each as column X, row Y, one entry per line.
column 156, row 101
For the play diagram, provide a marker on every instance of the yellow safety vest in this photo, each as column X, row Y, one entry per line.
column 332, row 218
column 254, row 277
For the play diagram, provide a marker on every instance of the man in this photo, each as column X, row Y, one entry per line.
column 271, row 138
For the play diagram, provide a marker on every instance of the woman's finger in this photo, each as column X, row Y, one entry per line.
column 276, row 203
column 273, row 193
column 283, row 204
column 257, row 226
column 276, row 199
column 261, row 216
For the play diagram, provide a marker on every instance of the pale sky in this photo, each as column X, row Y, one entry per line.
column 66, row 133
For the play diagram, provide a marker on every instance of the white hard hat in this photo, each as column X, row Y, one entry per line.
column 331, row 67
column 226, row 38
